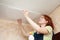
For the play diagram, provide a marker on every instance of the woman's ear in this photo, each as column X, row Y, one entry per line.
column 46, row 21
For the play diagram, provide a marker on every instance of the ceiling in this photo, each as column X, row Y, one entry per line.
column 11, row 9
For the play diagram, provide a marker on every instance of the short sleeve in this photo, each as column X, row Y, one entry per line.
column 49, row 28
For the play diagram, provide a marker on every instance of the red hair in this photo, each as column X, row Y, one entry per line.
column 50, row 23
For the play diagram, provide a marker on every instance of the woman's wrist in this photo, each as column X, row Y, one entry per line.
column 26, row 16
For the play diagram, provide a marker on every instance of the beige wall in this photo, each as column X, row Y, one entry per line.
column 10, row 30
column 55, row 15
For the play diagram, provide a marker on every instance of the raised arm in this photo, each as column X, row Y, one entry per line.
column 34, row 25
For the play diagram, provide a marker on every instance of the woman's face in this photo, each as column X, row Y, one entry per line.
column 42, row 20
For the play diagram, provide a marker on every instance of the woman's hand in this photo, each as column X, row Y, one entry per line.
column 25, row 12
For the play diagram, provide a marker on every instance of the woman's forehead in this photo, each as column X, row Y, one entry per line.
column 42, row 16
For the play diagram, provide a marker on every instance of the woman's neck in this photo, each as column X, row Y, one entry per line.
column 43, row 25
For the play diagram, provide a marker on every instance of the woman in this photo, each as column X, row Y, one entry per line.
column 44, row 28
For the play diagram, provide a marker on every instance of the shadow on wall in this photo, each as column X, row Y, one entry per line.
column 9, row 30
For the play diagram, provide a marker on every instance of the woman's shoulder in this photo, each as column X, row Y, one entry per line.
column 49, row 28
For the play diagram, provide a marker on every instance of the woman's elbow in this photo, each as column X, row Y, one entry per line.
column 42, row 31
column 46, row 33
